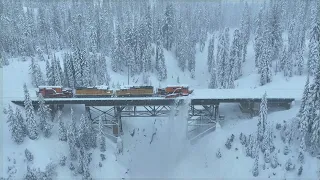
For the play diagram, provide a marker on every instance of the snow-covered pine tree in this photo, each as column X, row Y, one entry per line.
column 82, row 132
column 223, row 58
column 258, row 37
column 168, row 26
column 274, row 160
column 32, row 125
column 86, row 163
column 65, row 72
column 55, row 64
column 86, row 74
column 300, row 61
column 235, row 56
column 245, row 30
column 275, row 27
column 49, row 74
column 81, row 159
column 72, row 138
column 213, row 79
column 265, row 60
column 36, row 74
column 255, row 171
column 315, row 136
column 211, row 59
column 62, row 128
column 86, row 133
column 162, row 71
column 101, row 138
column 314, row 48
column 21, row 121
column 304, row 98
column 283, row 58
column 301, row 150
column 70, row 70
column 262, row 117
column 92, row 136
column 43, row 113
column 191, row 59
column 17, row 131
column 77, row 59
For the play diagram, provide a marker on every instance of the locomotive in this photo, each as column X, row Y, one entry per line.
column 104, row 92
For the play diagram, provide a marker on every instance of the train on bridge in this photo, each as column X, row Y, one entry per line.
column 105, row 92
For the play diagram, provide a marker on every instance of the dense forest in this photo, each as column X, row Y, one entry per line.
column 134, row 33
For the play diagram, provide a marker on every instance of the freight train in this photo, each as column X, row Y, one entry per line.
column 105, row 92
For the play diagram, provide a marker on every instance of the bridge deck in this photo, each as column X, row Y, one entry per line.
column 199, row 97
column 148, row 101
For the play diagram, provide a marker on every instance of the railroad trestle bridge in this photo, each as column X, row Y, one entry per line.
column 202, row 117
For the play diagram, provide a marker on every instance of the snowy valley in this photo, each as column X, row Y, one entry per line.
column 271, row 48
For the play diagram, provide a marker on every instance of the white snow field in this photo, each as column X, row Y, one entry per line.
column 169, row 154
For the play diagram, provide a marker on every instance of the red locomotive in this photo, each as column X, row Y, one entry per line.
column 55, row 92
column 174, row 91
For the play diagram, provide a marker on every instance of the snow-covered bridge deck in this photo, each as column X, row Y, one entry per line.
column 199, row 97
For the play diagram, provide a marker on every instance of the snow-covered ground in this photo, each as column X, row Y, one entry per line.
column 169, row 154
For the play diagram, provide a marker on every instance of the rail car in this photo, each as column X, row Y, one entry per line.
column 105, row 92
column 92, row 92
column 135, row 91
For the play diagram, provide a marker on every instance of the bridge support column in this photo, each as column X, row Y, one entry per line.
column 87, row 108
column 216, row 112
column 117, row 129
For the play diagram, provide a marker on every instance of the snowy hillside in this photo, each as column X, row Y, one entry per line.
column 233, row 48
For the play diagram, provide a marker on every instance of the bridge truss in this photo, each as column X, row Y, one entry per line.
column 201, row 118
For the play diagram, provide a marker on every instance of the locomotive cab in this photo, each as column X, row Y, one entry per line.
column 54, row 92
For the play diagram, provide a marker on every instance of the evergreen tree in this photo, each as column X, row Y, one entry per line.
column 168, row 27
column 101, row 138
column 86, row 133
column 223, row 58
column 17, row 130
column 43, row 113
column 315, row 136
column 162, row 71
column 284, row 60
column 62, row 128
column 86, row 162
column 258, row 37
column 255, row 171
column 36, row 74
column 262, row 117
column 21, row 122
column 274, row 160
column 70, row 71
column 117, row 54
column 300, row 61
column 275, row 27
column 235, row 56
column 314, row 46
column 304, row 98
column 245, row 31
column 81, row 159
column 72, row 138
column 49, row 74
column 55, row 66
column 32, row 125
column 213, row 79
column 211, row 59
column 265, row 59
